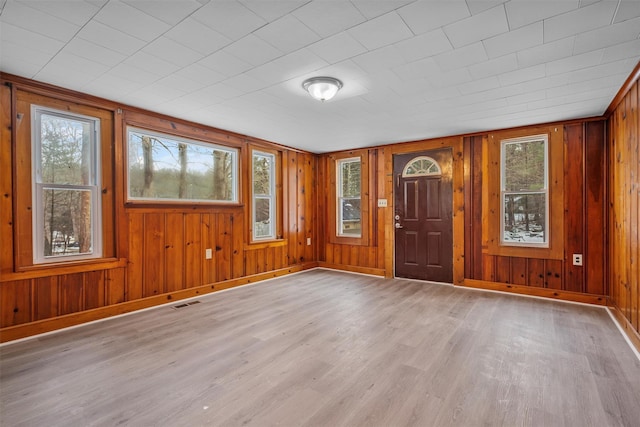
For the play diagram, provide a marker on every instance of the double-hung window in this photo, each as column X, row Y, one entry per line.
column 349, row 208
column 264, row 195
column 525, row 191
column 66, row 186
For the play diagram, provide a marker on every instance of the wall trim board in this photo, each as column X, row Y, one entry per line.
column 352, row 268
column 626, row 328
column 48, row 325
column 537, row 292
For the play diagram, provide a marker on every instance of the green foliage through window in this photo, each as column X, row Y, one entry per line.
column 164, row 167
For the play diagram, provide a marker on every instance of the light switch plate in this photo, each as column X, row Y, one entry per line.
column 208, row 253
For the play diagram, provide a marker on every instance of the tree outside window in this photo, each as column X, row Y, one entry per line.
column 524, row 191
column 263, row 168
column 349, row 197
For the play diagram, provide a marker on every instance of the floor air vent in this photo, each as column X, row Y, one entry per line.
column 186, row 304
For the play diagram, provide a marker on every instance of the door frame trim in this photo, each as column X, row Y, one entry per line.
column 456, row 146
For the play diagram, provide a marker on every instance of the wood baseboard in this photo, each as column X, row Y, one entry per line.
column 48, row 325
column 627, row 327
column 538, row 292
column 353, row 268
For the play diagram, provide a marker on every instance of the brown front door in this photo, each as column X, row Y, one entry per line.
column 423, row 215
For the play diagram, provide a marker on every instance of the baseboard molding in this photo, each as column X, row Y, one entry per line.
column 626, row 328
column 537, row 292
column 48, row 325
column 353, row 268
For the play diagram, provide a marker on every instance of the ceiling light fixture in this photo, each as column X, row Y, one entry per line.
column 322, row 88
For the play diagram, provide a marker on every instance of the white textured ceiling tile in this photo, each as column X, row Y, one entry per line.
column 380, row 59
column 546, row 52
column 112, row 85
column 179, row 82
column 524, row 98
column 225, row 63
column 66, row 68
column 493, row 67
column 20, row 61
column 154, row 94
column 477, row 6
column 151, row 64
column 608, row 36
column 197, row 36
column 172, row 52
column 584, row 3
column 21, row 15
column 287, row 34
column 423, row 16
column 74, row 11
column 131, row 21
column 628, row 9
column 253, row 50
column 94, row 52
column 576, row 62
column 326, row 18
column 229, row 18
column 337, row 48
column 450, row 78
column 524, row 12
column 270, row 10
column 522, row 75
column 477, row 27
column 579, row 20
column 201, row 74
column 462, row 57
column 110, row 38
column 170, row 12
column 417, row 69
column 245, row 83
column 481, row 85
column 382, row 31
column 288, row 67
column 602, row 71
column 30, row 40
column 628, row 50
column 513, row 41
column 373, row 9
column 424, row 45
column 543, row 83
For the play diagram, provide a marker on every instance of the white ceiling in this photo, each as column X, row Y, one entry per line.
column 411, row 69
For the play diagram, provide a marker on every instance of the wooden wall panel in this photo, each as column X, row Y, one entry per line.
column 624, row 198
column 15, row 300
column 45, row 297
column 573, row 205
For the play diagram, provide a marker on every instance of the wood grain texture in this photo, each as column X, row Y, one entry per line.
column 329, row 348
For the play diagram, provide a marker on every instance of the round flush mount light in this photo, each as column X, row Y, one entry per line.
column 322, row 88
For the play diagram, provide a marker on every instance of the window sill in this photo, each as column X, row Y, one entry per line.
column 266, row 244
column 58, row 268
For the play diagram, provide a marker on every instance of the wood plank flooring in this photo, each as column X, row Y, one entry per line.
column 326, row 348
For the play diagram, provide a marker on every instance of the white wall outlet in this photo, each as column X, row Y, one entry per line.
column 308, row 241
column 577, row 259
column 382, row 203
column 208, row 253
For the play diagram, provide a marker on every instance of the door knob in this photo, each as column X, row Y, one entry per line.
column 398, row 225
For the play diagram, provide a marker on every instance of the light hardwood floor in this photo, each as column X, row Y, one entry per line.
column 326, row 348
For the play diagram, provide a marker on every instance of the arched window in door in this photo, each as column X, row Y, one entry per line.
column 422, row 166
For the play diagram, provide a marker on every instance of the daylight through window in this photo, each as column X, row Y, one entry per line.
column 524, row 191
column 169, row 168
column 349, row 209
column 66, row 218
column 264, row 191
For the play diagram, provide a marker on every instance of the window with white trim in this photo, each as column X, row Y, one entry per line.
column 66, row 186
column 525, row 191
column 264, row 195
column 349, row 209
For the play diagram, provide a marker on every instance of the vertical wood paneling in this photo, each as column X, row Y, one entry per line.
column 94, row 288
column 15, row 302
column 503, row 269
column 6, row 182
column 535, row 272
column 223, row 247
column 554, row 273
column 45, row 295
column 237, row 242
column 208, row 238
column 573, row 206
column 519, row 275
column 154, row 255
column 70, row 293
column 136, row 257
column 174, row 250
column 115, row 286
column 193, row 250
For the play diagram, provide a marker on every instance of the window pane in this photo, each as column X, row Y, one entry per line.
column 350, row 223
column 350, row 182
column 67, row 222
column 164, row 168
column 262, row 171
column 66, row 150
column 262, row 224
column 524, row 167
column 524, row 218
